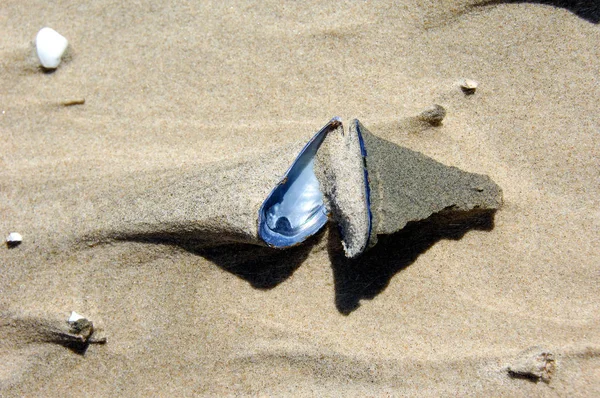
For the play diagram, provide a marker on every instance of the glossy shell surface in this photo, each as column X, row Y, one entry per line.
column 295, row 210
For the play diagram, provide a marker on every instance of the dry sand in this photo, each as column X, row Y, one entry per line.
column 177, row 87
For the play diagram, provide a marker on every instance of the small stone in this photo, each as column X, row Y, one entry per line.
column 82, row 328
column 468, row 86
column 14, row 239
column 534, row 364
column 50, row 46
column 433, row 115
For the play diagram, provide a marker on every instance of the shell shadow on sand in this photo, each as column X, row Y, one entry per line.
column 263, row 268
column 363, row 278
column 586, row 9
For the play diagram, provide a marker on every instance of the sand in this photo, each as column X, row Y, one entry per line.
column 177, row 88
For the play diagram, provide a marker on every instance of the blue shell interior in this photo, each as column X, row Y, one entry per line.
column 295, row 210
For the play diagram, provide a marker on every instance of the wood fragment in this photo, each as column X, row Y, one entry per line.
column 78, row 101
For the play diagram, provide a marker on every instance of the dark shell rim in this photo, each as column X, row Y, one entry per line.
column 363, row 152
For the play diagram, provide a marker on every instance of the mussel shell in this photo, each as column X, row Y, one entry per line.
column 295, row 210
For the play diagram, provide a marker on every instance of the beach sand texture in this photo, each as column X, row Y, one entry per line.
column 173, row 89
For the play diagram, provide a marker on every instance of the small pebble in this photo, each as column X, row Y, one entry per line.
column 14, row 239
column 50, row 46
column 82, row 330
column 468, row 86
column 433, row 115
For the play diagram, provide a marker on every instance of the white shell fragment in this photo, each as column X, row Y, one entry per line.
column 468, row 86
column 14, row 239
column 50, row 46
column 75, row 317
column 535, row 364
